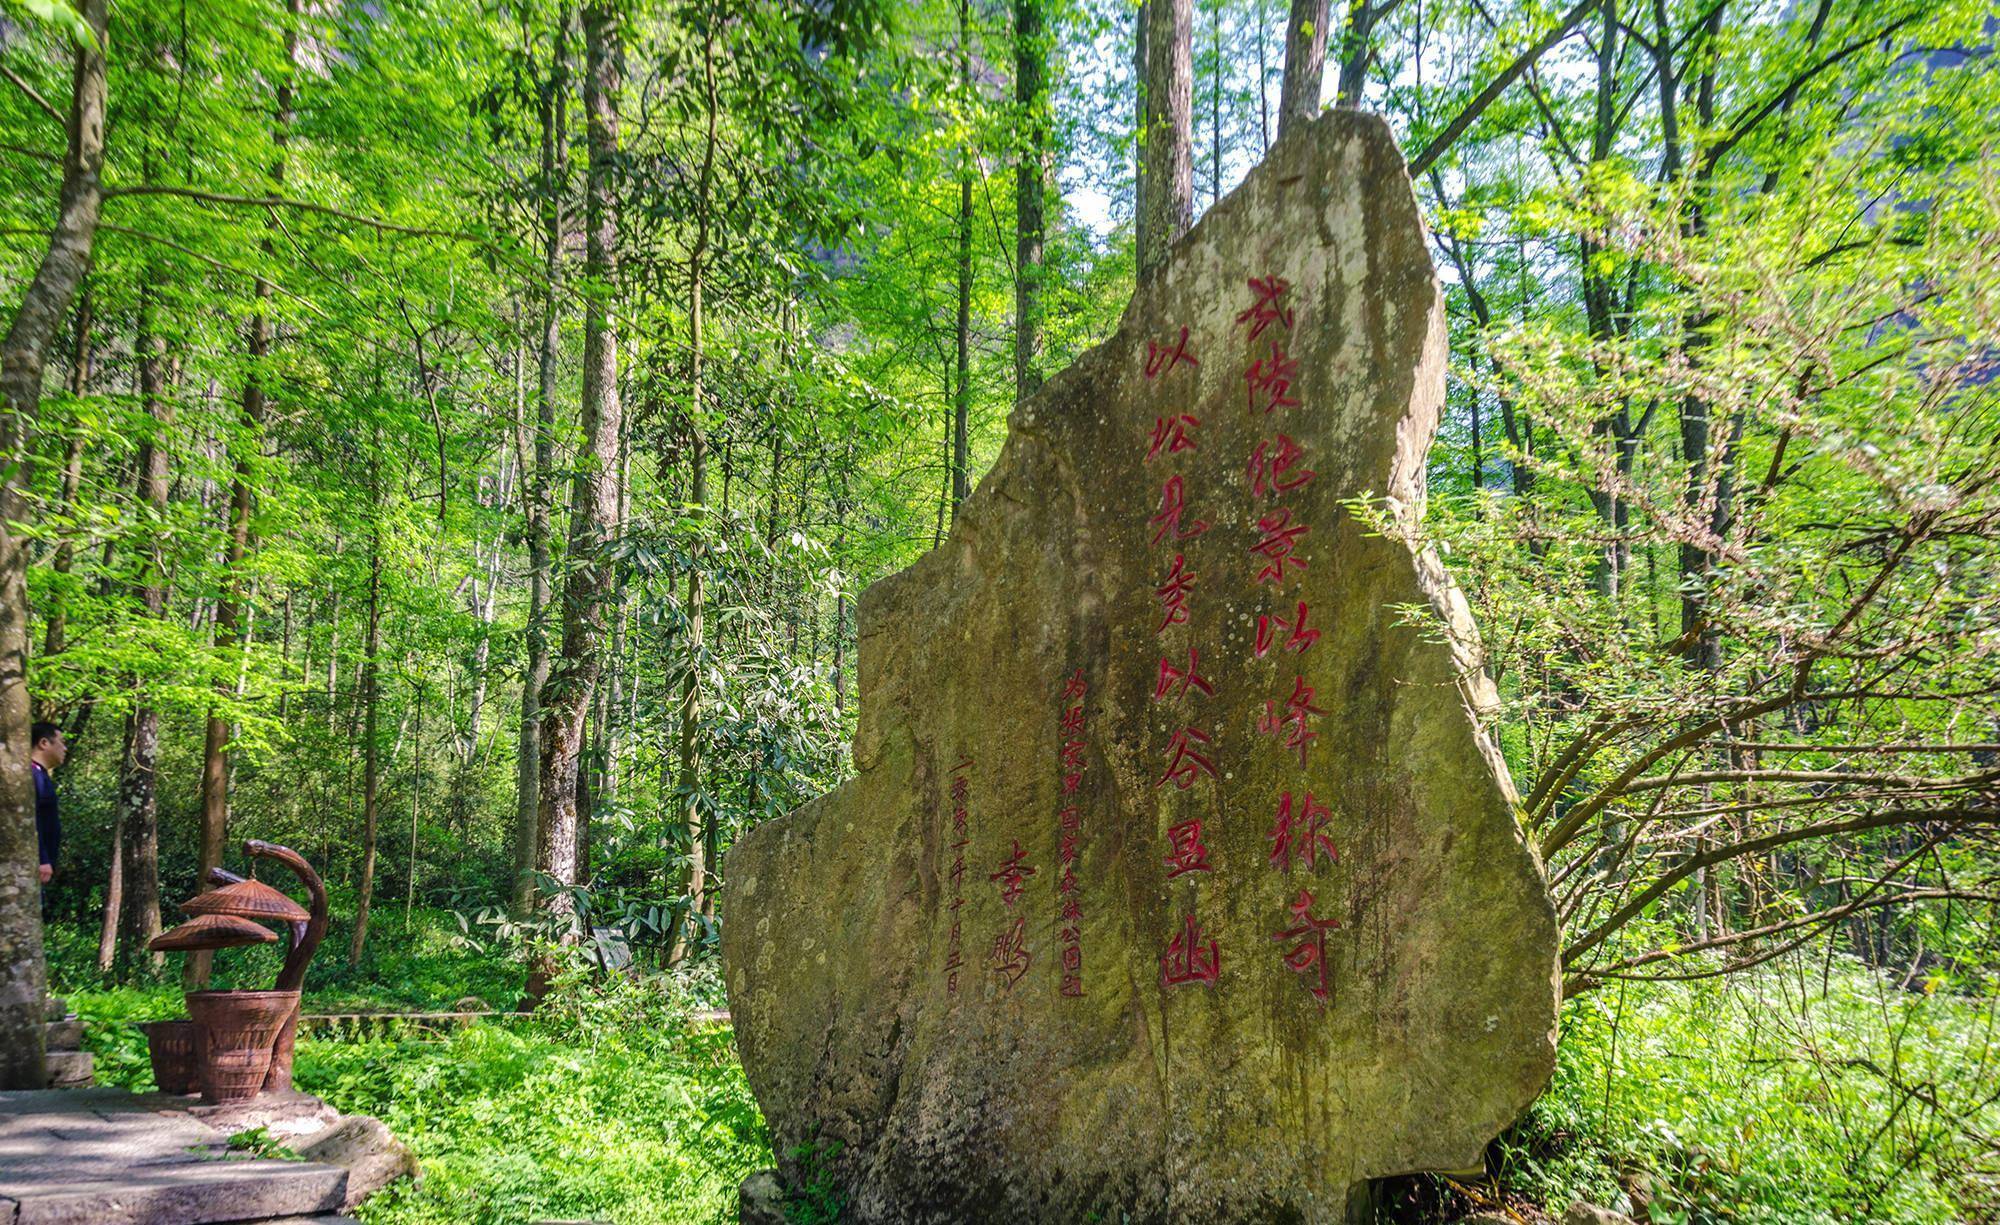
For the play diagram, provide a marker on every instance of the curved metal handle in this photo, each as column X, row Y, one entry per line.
column 306, row 936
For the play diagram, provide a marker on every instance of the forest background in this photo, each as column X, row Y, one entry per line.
column 449, row 438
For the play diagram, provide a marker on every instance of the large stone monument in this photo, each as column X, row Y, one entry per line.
column 1177, row 881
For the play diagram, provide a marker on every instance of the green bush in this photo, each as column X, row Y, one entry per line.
column 1812, row 1093
column 612, row 1108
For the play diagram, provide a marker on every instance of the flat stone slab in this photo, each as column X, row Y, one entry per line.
column 107, row 1157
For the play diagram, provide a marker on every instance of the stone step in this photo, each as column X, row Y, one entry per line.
column 109, row 1157
column 65, row 1034
column 71, row 1069
column 58, row 1008
column 188, row 1193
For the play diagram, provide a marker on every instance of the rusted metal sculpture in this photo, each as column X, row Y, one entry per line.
column 211, row 931
column 239, row 1043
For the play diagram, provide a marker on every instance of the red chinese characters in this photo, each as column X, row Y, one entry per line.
column 1171, row 436
column 954, row 943
column 1278, row 543
column 1177, row 681
column 1173, row 504
column 1274, row 467
column 1185, row 762
column 1173, row 593
column 1010, row 959
column 1187, row 854
column 1298, row 639
column 1069, row 825
column 1268, row 381
column 1300, row 833
column 1013, row 875
column 1190, row 957
column 1307, row 954
column 1298, row 709
column 1265, row 310
column 1163, row 358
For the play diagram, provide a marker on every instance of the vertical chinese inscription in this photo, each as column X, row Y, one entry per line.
column 1191, row 956
column 955, row 943
column 1277, row 467
column 1069, row 827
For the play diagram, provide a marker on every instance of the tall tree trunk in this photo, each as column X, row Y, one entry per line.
column 416, row 799
column 1708, row 475
column 138, row 822
column 371, row 748
column 80, row 362
column 1215, row 107
column 593, row 493
column 687, row 780
column 1607, row 573
column 231, row 629
column 535, row 483
column 1357, row 50
column 1142, row 20
column 1167, row 155
column 1263, row 87
column 1305, row 63
column 1030, row 184
column 23, row 354
column 961, row 391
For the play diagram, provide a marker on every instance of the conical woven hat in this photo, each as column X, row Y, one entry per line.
column 247, row 899
column 211, row 931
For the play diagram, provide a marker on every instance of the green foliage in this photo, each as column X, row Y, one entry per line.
column 817, row 1199
column 1809, row 1093
column 616, row 1108
column 1719, row 433
column 258, row 1141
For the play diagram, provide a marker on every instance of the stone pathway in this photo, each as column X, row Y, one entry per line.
column 107, row 1157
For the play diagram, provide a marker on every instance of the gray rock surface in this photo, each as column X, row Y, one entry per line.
column 365, row 1148
column 71, row 1069
column 1002, row 974
column 761, row 1200
column 64, row 1035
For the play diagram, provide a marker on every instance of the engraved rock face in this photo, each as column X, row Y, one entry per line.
column 1177, row 881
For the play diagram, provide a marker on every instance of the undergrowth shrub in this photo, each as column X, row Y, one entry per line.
column 1809, row 1093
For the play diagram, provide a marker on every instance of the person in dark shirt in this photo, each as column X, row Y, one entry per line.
column 45, row 756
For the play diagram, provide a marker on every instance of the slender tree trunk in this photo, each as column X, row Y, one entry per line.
column 23, row 975
column 1142, row 20
column 1263, row 87
column 54, row 638
column 1708, row 475
column 687, row 781
column 1168, row 153
column 1357, row 51
column 416, row 799
column 1305, row 63
column 1215, row 107
column 535, row 484
column 371, row 748
column 231, row 628
column 1030, row 184
column 138, row 825
column 1607, row 574
column 593, row 493
column 961, row 394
